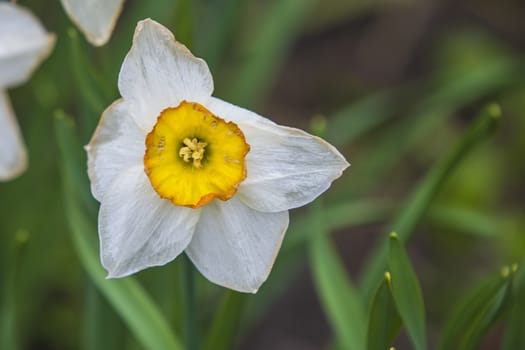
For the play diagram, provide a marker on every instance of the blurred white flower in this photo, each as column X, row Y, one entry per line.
column 95, row 18
column 176, row 169
column 24, row 43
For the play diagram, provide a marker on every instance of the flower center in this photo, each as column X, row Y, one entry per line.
column 193, row 150
column 193, row 156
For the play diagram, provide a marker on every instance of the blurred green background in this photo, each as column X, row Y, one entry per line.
column 399, row 82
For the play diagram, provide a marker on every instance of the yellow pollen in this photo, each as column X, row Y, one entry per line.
column 193, row 150
column 193, row 156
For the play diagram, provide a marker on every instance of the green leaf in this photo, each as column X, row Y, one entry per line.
column 103, row 329
column 334, row 217
column 348, row 124
column 86, row 77
column 407, row 293
column 338, row 297
column 229, row 12
column 483, row 127
column 515, row 330
column 225, row 326
column 474, row 313
column 368, row 211
column 384, row 321
column 184, row 22
column 425, row 192
column 435, row 105
column 351, row 214
column 488, row 316
column 267, row 50
column 466, row 220
column 126, row 295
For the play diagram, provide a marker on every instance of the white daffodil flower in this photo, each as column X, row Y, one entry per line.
column 24, row 43
column 177, row 170
column 95, row 18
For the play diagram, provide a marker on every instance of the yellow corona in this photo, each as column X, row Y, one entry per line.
column 193, row 156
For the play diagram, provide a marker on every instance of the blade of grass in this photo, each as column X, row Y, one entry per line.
column 335, row 217
column 126, row 296
column 76, row 174
column 466, row 220
column 184, row 22
column 348, row 215
column 470, row 310
column 358, row 118
column 440, row 102
column 267, row 51
column 97, row 99
column 420, row 199
column 338, row 297
column 229, row 12
column 369, row 211
column 515, row 331
column 489, row 314
column 407, row 293
column 384, row 321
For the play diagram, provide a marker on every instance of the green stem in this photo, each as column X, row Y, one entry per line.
column 8, row 295
column 191, row 330
column 226, row 322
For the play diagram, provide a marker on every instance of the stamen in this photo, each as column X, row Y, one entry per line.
column 193, row 150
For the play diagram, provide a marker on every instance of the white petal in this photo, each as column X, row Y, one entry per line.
column 235, row 246
column 95, row 18
column 138, row 229
column 286, row 167
column 24, row 43
column 231, row 112
column 13, row 158
column 117, row 144
column 158, row 72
